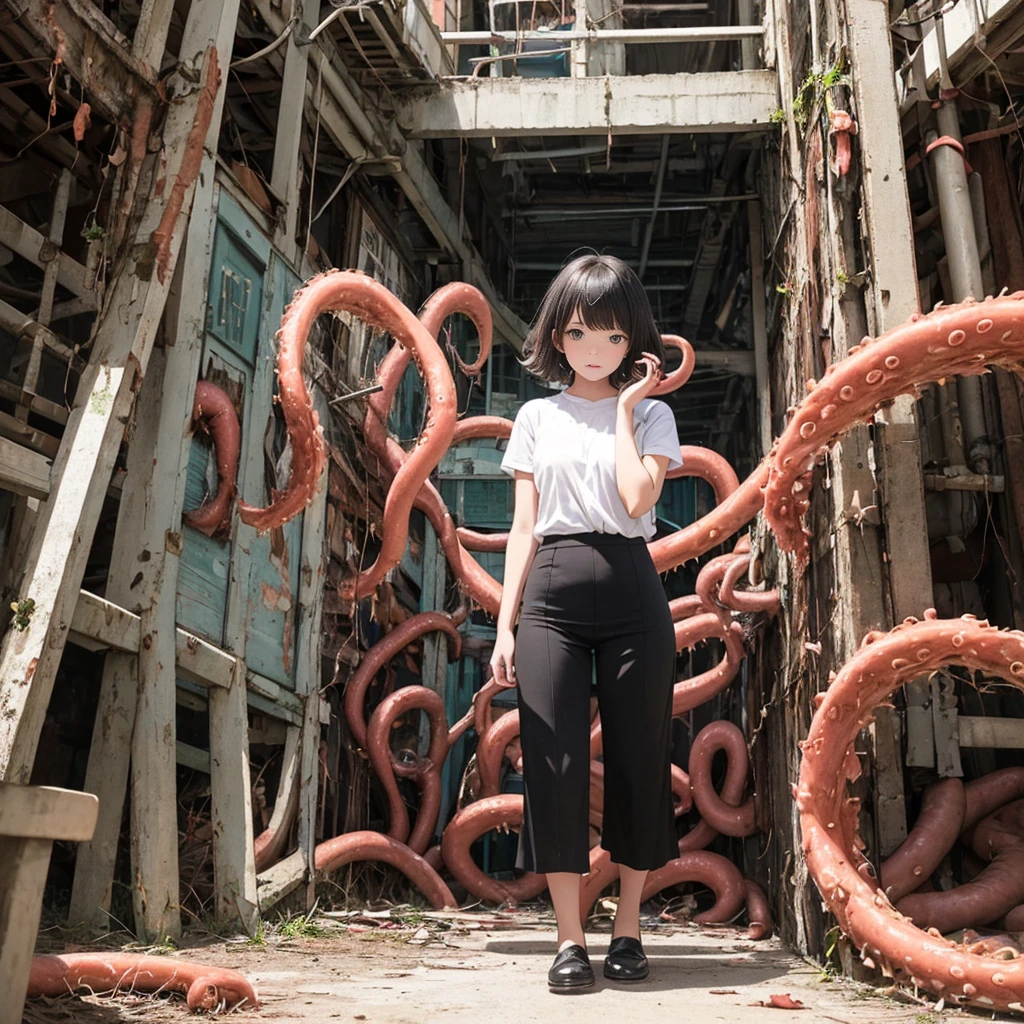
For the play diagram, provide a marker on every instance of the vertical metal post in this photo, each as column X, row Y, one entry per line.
column 758, row 317
column 580, row 47
column 660, row 181
column 748, row 47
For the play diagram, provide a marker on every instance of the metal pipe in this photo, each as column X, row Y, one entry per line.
column 966, row 482
column 268, row 49
column 489, row 386
column 977, row 189
column 667, row 8
column 361, row 393
column 479, row 62
column 958, row 231
column 525, row 155
column 683, row 34
column 621, row 211
column 552, row 266
column 748, row 47
column 649, row 233
column 964, row 269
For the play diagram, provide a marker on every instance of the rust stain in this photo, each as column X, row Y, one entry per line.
column 31, row 670
column 82, row 121
column 59, row 43
column 190, row 164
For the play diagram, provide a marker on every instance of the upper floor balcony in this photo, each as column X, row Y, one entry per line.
column 551, row 67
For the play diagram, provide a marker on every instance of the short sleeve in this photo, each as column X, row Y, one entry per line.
column 519, row 453
column 657, row 434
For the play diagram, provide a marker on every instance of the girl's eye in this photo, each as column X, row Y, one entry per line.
column 575, row 333
column 617, row 339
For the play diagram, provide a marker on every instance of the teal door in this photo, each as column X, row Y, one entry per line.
column 248, row 291
column 231, row 341
column 271, row 612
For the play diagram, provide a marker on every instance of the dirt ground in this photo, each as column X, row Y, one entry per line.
column 427, row 969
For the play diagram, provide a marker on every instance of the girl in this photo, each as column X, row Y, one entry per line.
column 589, row 464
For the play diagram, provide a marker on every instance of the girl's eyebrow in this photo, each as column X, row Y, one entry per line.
column 580, row 323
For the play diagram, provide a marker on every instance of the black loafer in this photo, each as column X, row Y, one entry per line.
column 625, row 960
column 571, row 969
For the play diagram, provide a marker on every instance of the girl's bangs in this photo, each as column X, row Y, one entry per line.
column 601, row 297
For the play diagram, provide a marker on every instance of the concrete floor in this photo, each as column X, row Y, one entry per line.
column 484, row 976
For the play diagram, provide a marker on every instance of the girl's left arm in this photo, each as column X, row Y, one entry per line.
column 639, row 479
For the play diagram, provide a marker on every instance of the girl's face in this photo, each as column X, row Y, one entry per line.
column 593, row 354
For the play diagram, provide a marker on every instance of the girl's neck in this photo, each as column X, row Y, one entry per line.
column 592, row 390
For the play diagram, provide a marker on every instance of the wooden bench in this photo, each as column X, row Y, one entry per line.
column 31, row 818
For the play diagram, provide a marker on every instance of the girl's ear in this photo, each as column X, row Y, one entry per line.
column 554, row 341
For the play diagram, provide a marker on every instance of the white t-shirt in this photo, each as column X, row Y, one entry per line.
column 568, row 444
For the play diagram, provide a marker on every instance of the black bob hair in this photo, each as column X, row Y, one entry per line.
column 608, row 296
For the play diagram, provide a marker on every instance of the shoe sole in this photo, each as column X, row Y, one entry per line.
column 571, row 987
column 627, row 981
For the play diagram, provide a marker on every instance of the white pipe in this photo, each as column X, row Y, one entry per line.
column 689, row 34
column 269, row 48
column 516, row 156
column 649, row 233
column 586, row 212
column 962, row 257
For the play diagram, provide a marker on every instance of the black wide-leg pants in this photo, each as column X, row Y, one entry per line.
column 595, row 596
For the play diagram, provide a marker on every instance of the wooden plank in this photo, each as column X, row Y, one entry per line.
column 53, row 261
column 201, row 662
column 274, row 692
column 759, row 318
column 307, row 674
column 17, row 115
column 46, row 812
column 107, row 772
column 86, row 38
column 60, row 543
column 893, row 298
column 1003, row 733
column 285, row 173
column 17, row 323
column 269, row 707
column 29, row 437
column 150, row 36
column 121, row 355
column 99, row 624
column 234, row 863
column 288, row 784
column 278, row 881
column 22, row 881
column 946, row 726
column 23, row 471
column 234, row 859
column 192, row 757
column 23, row 239
column 106, row 776
column 43, row 406
column 102, row 625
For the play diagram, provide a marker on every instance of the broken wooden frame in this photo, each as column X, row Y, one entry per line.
column 123, row 344
column 31, row 819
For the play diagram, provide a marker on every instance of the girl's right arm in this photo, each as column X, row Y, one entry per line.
column 519, row 554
